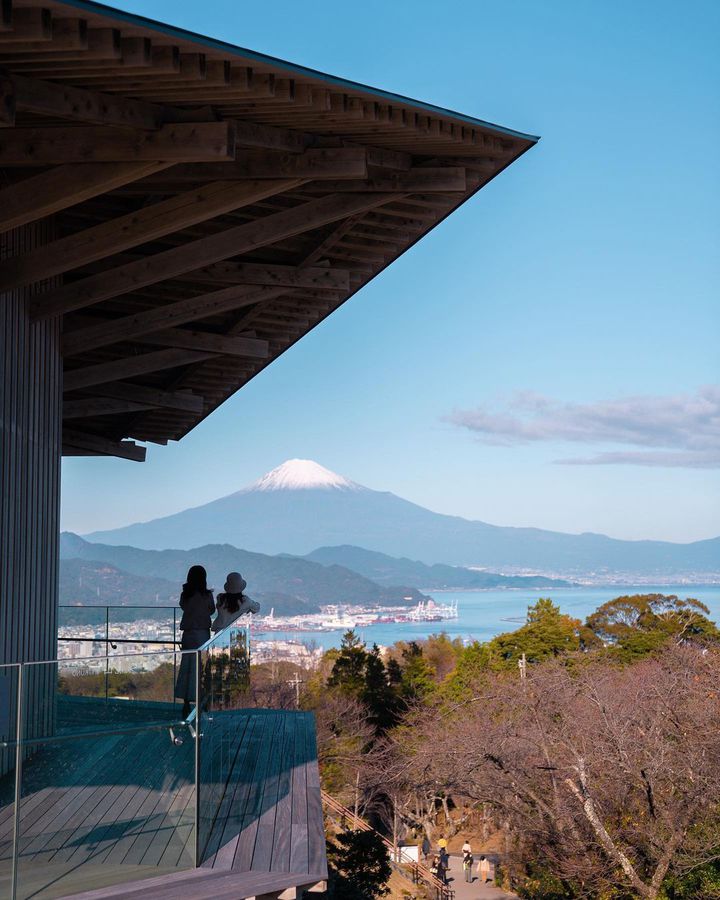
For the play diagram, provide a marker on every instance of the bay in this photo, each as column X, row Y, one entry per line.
column 484, row 614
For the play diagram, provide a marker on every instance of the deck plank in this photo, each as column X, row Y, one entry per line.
column 254, row 807
column 228, row 822
column 299, row 827
column 317, row 852
column 262, row 852
column 283, row 819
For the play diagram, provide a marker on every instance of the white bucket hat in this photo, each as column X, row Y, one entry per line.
column 235, row 583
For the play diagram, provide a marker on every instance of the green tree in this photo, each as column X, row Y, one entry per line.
column 472, row 667
column 379, row 696
column 360, row 866
column 348, row 672
column 633, row 626
column 547, row 633
column 418, row 680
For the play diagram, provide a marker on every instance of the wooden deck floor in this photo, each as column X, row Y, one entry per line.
column 122, row 808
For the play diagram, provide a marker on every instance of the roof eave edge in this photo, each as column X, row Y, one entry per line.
column 182, row 34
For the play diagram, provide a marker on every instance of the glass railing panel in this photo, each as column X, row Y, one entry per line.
column 81, row 623
column 9, row 703
column 123, row 688
column 105, row 808
column 143, row 624
column 222, row 720
column 277, row 679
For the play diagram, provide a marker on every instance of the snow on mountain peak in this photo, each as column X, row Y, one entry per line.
column 299, row 475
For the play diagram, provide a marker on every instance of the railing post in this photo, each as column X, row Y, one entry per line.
column 174, row 646
column 107, row 652
column 19, row 725
column 197, row 759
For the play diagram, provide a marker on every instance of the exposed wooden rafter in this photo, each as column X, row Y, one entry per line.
column 209, row 207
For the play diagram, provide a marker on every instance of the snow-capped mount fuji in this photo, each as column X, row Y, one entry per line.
column 303, row 475
column 301, row 506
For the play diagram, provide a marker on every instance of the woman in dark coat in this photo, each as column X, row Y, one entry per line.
column 197, row 604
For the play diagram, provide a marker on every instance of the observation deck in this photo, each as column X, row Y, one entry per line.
column 125, row 797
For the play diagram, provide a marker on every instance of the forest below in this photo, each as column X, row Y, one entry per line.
column 590, row 749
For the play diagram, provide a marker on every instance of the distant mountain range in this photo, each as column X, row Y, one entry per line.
column 301, row 506
column 99, row 574
column 387, row 570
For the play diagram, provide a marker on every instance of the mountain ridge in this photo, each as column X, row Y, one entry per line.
column 271, row 579
column 298, row 521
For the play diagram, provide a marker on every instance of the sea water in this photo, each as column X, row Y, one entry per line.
column 483, row 614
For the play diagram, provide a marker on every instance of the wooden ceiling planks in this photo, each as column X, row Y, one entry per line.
column 211, row 205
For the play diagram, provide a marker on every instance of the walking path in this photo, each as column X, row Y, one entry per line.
column 476, row 890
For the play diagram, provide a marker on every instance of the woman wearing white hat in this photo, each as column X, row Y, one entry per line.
column 233, row 602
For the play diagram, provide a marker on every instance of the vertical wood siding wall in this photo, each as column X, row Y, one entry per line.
column 30, row 450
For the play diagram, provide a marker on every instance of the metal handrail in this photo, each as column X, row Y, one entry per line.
column 420, row 872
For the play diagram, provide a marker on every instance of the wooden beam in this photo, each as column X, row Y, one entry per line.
column 33, row 24
column 6, row 16
column 188, row 142
column 101, row 406
column 138, row 227
column 69, row 36
column 8, row 102
column 245, row 345
column 268, row 137
column 414, row 181
column 311, row 164
column 43, row 98
column 93, row 444
column 191, row 339
column 163, row 317
column 61, row 187
column 318, row 277
column 214, row 248
column 129, row 367
column 138, row 393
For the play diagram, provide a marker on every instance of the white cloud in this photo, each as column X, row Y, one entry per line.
column 675, row 431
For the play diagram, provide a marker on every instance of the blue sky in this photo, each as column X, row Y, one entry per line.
column 568, row 312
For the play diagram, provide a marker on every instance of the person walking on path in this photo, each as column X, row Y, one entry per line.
column 233, row 603
column 425, row 848
column 197, row 604
column 466, row 848
column 467, row 864
column 484, row 869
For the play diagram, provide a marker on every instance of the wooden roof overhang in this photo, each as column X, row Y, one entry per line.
column 210, row 205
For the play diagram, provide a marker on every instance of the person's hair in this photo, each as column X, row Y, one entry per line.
column 196, row 582
column 231, row 602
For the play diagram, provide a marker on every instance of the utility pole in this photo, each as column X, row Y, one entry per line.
column 296, row 681
column 522, row 665
column 395, row 837
column 357, row 799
